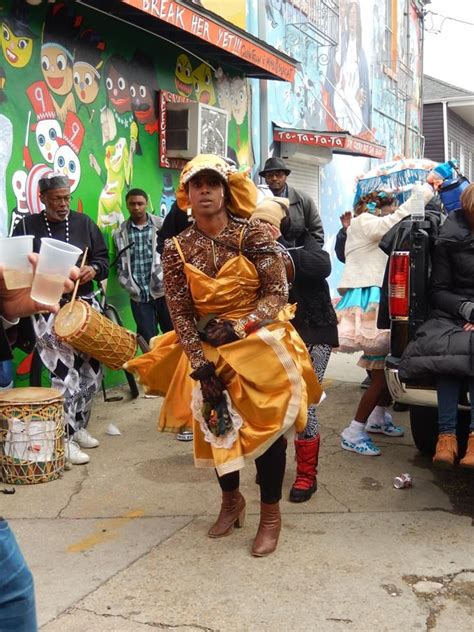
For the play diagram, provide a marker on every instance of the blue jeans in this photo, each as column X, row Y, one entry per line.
column 17, row 596
column 149, row 315
column 448, row 390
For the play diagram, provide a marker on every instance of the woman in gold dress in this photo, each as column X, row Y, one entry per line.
column 234, row 367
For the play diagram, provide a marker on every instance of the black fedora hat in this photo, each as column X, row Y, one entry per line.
column 274, row 164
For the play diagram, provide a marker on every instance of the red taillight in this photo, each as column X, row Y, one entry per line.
column 399, row 283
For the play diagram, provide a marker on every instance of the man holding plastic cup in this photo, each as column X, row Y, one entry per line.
column 17, row 598
column 76, row 375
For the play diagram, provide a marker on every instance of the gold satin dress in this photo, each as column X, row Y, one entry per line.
column 268, row 374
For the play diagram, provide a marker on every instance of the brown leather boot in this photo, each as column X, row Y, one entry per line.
column 269, row 529
column 232, row 514
column 468, row 459
column 446, row 451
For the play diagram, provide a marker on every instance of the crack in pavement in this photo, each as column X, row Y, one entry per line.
column 441, row 588
column 151, row 624
column 333, row 496
column 77, row 490
column 117, row 573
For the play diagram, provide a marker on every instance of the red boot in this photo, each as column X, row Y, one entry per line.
column 305, row 485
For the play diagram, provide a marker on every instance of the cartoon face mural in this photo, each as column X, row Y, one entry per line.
column 66, row 162
column 17, row 42
column 203, row 86
column 143, row 87
column 182, row 76
column 239, row 98
column 47, row 135
column 117, row 84
column 223, row 91
column 60, row 29
column 87, row 63
column 66, row 159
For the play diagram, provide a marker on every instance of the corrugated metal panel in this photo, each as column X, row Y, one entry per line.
column 305, row 177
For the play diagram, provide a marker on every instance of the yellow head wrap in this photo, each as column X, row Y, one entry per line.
column 243, row 192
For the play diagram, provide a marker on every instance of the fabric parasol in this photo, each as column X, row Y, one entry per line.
column 396, row 177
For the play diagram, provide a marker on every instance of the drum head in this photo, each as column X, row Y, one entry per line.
column 68, row 322
column 29, row 395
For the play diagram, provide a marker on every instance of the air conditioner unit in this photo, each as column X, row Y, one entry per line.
column 195, row 128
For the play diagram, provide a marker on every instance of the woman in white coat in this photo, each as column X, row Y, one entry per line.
column 357, row 313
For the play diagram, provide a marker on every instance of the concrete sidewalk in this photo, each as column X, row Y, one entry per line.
column 120, row 544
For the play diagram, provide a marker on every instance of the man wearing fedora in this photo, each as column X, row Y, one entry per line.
column 303, row 212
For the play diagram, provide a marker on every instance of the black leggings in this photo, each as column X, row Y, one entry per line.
column 271, row 470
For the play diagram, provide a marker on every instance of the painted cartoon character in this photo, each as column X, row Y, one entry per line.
column 17, row 38
column 203, row 85
column 119, row 167
column 182, row 75
column 19, row 189
column 223, row 91
column 61, row 28
column 6, row 145
column 117, row 84
column 47, row 128
column 66, row 159
column 143, row 89
column 87, row 63
column 239, row 99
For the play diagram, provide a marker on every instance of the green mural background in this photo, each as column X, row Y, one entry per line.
column 80, row 96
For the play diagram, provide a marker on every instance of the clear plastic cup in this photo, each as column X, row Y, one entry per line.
column 56, row 258
column 17, row 270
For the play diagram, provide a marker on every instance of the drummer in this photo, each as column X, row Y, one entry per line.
column 76, row 375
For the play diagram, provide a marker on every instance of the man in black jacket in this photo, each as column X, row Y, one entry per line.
column 76, row 375
column 303, row 212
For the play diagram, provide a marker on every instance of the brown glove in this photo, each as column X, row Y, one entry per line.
column 212, row 386
column 219, row 332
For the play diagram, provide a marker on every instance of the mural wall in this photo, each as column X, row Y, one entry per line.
column 355, row 85
column 79, row 95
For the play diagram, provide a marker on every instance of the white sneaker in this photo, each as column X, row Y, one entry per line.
column 74, row 454
column 84, row 439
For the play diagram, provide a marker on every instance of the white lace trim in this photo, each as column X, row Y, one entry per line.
column 227, row 440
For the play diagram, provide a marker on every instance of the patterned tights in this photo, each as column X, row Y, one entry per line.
column 320, row 355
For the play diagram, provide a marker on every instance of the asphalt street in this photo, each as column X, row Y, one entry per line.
column 120, row 544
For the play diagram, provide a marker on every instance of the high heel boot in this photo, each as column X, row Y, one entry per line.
column 269, row 529
column 232, row 514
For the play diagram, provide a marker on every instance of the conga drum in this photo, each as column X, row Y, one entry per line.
column 31, row 435
column 86, row 330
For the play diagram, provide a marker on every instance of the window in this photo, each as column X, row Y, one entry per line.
column 390, row 39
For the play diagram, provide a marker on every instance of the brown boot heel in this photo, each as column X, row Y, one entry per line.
column 232, row 514
column 266, row 540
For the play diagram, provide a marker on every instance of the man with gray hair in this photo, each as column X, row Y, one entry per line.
column 76, row 375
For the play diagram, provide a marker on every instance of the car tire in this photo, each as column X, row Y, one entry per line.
column 424, row 428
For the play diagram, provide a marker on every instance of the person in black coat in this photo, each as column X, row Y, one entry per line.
column 315, row 321
column 444, row 345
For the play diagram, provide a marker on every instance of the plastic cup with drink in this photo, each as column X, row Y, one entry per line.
column 17, row 269
column 56, row 258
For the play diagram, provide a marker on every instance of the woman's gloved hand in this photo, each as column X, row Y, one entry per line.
column 219, row 332
column 212, row 386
